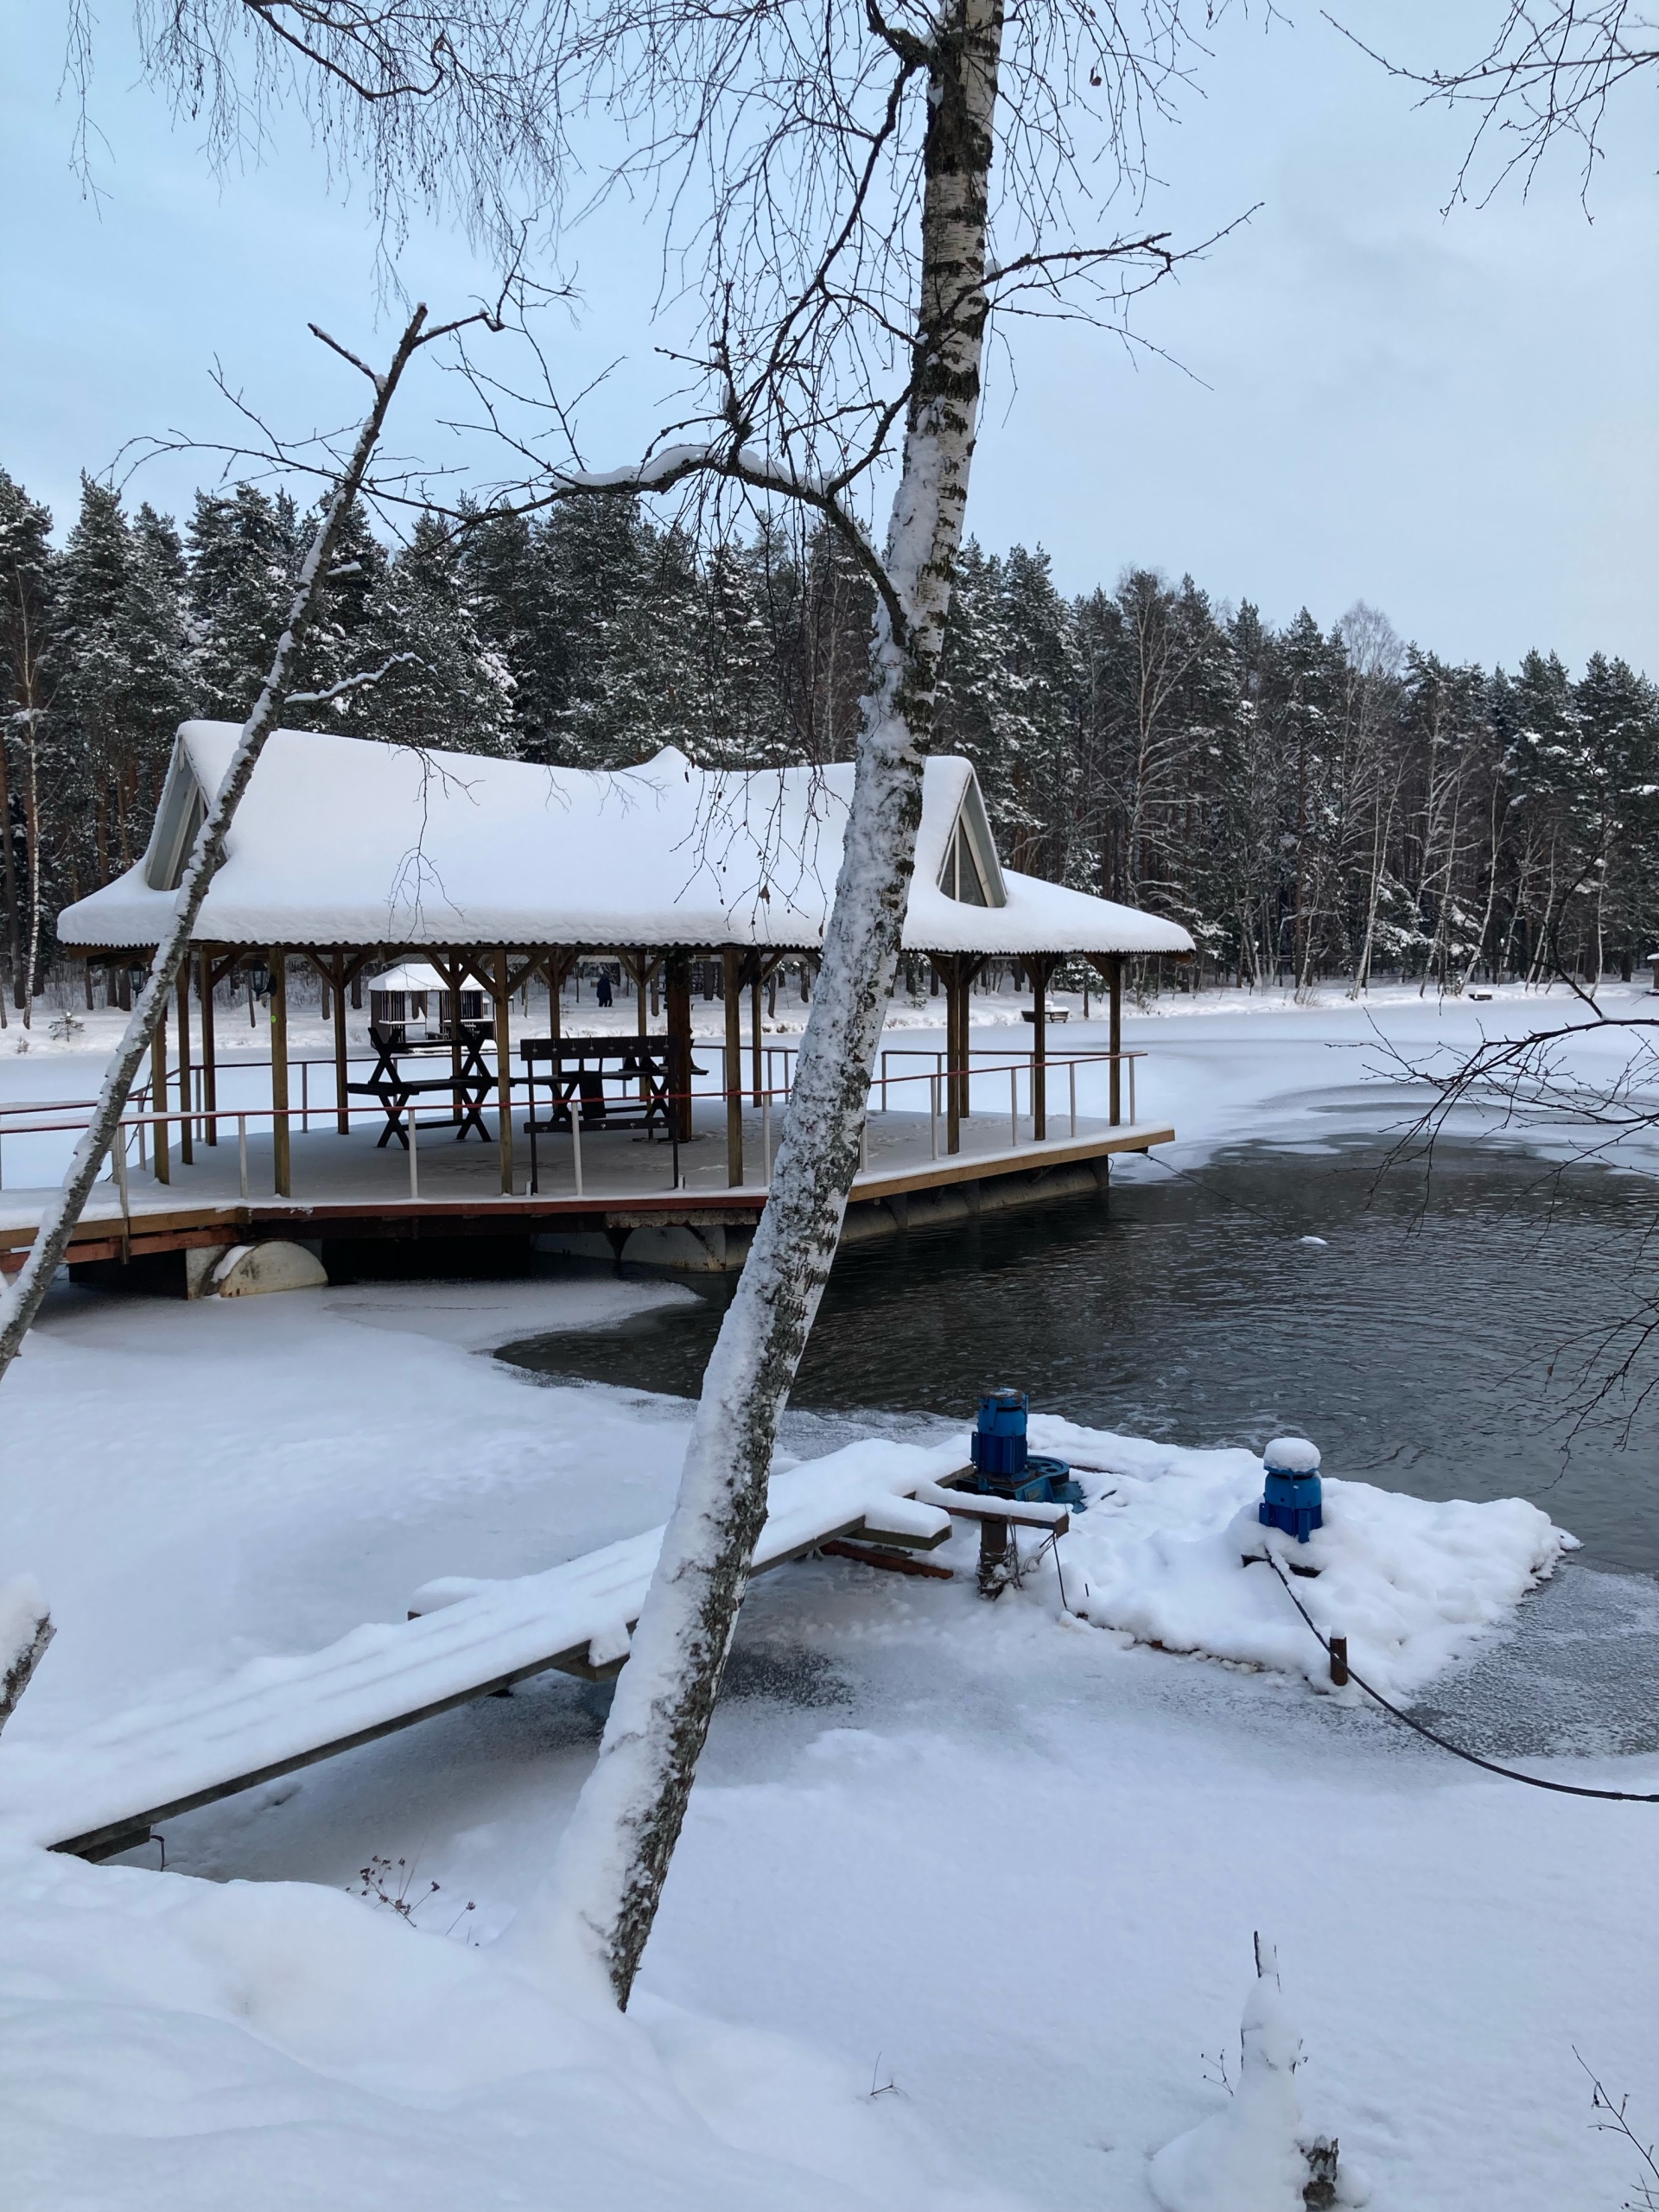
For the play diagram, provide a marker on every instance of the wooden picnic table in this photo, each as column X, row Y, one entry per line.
column 575, row 1071
column 469, row 1087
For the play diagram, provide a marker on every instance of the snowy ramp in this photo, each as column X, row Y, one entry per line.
column 101, row 1790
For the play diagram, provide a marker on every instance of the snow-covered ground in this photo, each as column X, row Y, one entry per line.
column 1006, row 1861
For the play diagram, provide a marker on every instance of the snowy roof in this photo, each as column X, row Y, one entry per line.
column 340, row 840
column 415, row 975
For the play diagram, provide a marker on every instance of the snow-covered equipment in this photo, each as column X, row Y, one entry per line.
column 1003, row 1465
column 1292, row 1499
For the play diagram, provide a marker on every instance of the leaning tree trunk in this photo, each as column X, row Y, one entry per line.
column 23, row 1302
column 596, row 1911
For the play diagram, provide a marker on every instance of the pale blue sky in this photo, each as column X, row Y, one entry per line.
column 1457, row 420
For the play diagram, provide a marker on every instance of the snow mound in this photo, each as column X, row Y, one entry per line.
column 171, row 2042
column 1411, row 1584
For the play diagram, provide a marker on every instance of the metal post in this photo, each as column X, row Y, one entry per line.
column 242, row 1150
column 1039, row 974
column 1071, row 1072
column 766, row 1133
column 121, row 1178
column 884, row 1083
column 864, row 1143
column 413, row 1151
column 933, row 1117
column 305, row 1095
column 575, row 1132
column 1014, row 1109
column 1131, row 1094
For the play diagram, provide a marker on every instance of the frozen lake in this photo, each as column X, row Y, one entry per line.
column 1436, row 1343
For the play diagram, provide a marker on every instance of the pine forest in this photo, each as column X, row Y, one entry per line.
column 1313, row 803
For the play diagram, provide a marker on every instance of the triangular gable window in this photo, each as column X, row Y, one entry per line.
column 965, row 881
column 177, row 820
column 970, row 872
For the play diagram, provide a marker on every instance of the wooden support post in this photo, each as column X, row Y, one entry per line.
column 187, row 1147
column 1115, row 1038
column 281, row 1177
column 1040, row 970
column 452, row 975
column 342, row 1103
column 209, row 1062
column 995, row 1545
column 732, row 986
column 953, row 1029
column 503, row 1070
column 1339, row 1662
column 158, row 1096
column 677, row 996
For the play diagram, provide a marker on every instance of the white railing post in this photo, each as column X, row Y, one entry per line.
column 1072, row 1071
column 1014, row 1109
column 414, row 1152
column 1131, row 1091
column 575, row 1138
column 242, row 1151
column 121, row 1169
column 864, row 1144
column 765, row 1134
column 933, row 1117
column 884, row 1083
column 305, row 1095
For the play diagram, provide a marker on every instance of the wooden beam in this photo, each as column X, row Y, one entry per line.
column 732, row 988
column 282, row 1174
column 1042, row 966
column 1109, row 966
column 187, row 1149
column 503, row 1068
column 676, row 1008
column 209, row 1048
column 337, row 984
column 1115, row 1042
column 160, row 1160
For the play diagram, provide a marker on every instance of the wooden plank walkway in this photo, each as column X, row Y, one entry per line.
column 102, row 1790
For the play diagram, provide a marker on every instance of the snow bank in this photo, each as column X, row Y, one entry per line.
column 190, row 2045
column 1410, row 1583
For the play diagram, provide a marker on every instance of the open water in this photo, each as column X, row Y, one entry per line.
column 1448, row 1337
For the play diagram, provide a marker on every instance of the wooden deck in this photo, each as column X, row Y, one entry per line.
column 346, row 1191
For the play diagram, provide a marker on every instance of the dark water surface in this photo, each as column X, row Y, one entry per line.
column 1436, row 1343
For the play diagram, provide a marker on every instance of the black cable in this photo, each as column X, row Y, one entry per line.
column 1508, row 1773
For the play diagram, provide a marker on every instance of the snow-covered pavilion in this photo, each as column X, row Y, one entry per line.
column 346, row 852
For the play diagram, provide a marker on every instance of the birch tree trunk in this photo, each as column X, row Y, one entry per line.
column 22, row 1302
column 594, row 1916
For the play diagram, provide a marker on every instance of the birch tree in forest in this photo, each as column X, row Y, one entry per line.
column 853, row 266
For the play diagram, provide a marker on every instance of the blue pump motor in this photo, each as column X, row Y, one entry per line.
column 1005, row 1467
column 1292, row 1499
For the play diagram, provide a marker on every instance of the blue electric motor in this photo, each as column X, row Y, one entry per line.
column 1292, row 1498
column 1004, row 1467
